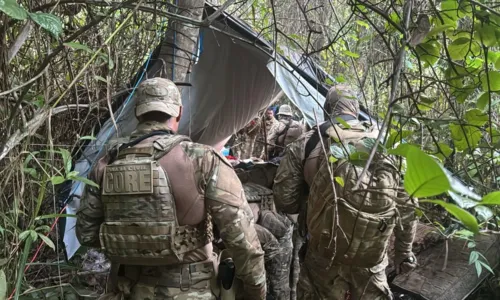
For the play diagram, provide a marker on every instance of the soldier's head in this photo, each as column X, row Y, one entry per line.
column 285, row 112
column 158, row 99
column 341, row 100
column 269, row 113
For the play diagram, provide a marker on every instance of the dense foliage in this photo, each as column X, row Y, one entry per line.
column 429, row 71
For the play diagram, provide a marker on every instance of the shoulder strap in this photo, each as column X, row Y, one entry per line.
column 314, row 139
column 114, row 152
column 164, row 145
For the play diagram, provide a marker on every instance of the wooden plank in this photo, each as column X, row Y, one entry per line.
column 458, row 280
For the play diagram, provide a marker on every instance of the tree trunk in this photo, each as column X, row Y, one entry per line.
column 179, row 45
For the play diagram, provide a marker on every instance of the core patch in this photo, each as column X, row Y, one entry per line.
column 128, row 179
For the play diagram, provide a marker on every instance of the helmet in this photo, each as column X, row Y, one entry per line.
column 158, row 94
column 285, row 110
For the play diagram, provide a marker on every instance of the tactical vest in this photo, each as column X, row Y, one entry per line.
column 140, row 224
column 366, row 216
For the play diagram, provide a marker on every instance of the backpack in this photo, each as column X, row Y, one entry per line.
column 350, row 226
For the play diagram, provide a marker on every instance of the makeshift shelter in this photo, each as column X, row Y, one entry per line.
column 236, row 75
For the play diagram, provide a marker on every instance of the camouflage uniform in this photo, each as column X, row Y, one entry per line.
column 287, row 131
column 349, row 258
column 246, row 139
column 156, row 228
column 259, row 148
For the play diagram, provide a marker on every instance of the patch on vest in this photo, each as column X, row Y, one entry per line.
column 128, row 179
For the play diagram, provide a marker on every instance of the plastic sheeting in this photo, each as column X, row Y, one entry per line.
column 230, row 84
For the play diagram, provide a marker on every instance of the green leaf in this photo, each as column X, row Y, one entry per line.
column 424, row 176
column 23, row 235
column 487, row 34
column 459, row 48
column 78, row 46
column 3, row 285
column 401, row 150
column 483, row 100
column 31, row 171
column 449, row 11
column 66, row 156
column 13, row 10
column 491, row 199
column 340, row 181
column 86, row 181
column 22, row 264
column 47, row 241
column 72, row 174
column 57, row 180
column 329, row 81
column 459, row 134
column 351, row 54
column 497, row 64
column 486, row 266
column 344, row 123
column 49, row 22
column 359, row 156
column 340, row 79
column 479, row 269
column 473, row 257
column 476, row 117
column 494, row 77
column 396, row 137
column 332, row 159
column 34, row 235
column 429, row 52
column 438, row 29
column 363, row 23
column 462, row 215
column 447, row 151
column 43, row 228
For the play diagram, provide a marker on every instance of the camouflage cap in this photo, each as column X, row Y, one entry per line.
column 158, row 94
column 286, row 110
column 341, row 99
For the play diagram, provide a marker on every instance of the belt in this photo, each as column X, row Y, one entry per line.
column 180, row 276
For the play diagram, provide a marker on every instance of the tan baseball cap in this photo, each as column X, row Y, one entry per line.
column 158, row 94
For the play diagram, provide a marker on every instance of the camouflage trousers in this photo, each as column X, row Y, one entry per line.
column 163, row 283
column 340, row 282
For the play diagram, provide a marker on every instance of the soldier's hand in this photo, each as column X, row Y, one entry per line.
column 405, row 262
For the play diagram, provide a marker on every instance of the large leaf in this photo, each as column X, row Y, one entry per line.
column 13, row 10
column 459, row 48
column 494, row 79
column 66, row 159
column 449, row 11
column 429, row 52
column 476, row 117
column 483, row 100
column 48, row 22
column 462, row 215
column 424, row 176
column 487, row 34
column 86, row 181
column 491, row 199
column 396, row 137
column 461, row 136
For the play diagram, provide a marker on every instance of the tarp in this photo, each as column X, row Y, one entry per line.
column 234, row 78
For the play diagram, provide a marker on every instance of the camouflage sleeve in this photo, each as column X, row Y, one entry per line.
column 289, row 181
column 231, row 213
column 90, row 215
column 406, row 229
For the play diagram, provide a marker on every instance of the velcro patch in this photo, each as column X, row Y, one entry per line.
column 128, row 179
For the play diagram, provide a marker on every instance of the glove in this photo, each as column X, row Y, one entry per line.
column 405, row 262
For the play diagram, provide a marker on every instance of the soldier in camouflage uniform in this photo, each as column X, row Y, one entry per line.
column 246, row 139
column 287, row 131
column 152, row 215
column 348, row 230
column 270, row 124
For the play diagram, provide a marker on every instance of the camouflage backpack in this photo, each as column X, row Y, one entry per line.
column 347, row 225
